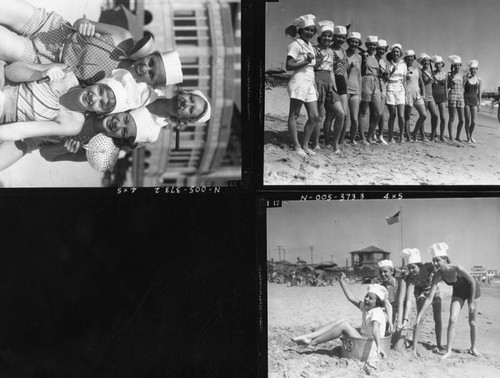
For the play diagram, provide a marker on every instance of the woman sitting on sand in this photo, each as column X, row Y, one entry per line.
column 396, row 87
column 329, row 105
column 373, row 320
column 354, row 83
column 301, row 59
column 414, row 97
column 440, row 92
column 472, row 97
column 419, row 281
column 464, row 288
column 455, row 83
column 427, row 85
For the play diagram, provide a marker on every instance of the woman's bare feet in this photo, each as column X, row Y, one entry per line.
column 300, row 152
column 446, row 355
column 302, row 341
column 309, row 152
column 474, row 352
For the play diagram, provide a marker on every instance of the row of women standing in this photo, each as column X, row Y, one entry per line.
column 334, row 83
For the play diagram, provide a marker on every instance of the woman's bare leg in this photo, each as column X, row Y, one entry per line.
column 9, row 154
column 11, row 47
column 354, row 111
column 451, row 118
column 460, row 112
column 293, row 115
column 363, row 107
column 15, row 14
column 473, row 330
column 344, row 99
column 338, row 111
column 467, row 122
column 473, row 114
column 390, row 122
column 442, row 125
column 419, row 125
column 455, row 307
column 432, row 107
column 312, row 120
column 374, row 117
column 438, row 324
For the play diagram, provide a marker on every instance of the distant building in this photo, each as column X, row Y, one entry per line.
column 365, row 261
column 478, row 271
column 207, row 35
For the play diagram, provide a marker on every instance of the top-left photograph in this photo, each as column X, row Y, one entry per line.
column 112, row 93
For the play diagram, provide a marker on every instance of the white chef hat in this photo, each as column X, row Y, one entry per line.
column 473, row 64
column 173, row 68
column 300, row 23
column 382, row 43
column 397, row 46
column 325, row 26
column 413, row 255
column 205, row 116
column 437, row 59
column 385, row 263
column 354, row 35
column 455, row 59
column 340, row 30
column 379, row 291
column 371, row 39
column 422, row 57
column 126, row 90
column 147, row 129
column 438, row 249
column 409, row 53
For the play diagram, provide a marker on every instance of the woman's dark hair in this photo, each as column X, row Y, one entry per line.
column 379, row 302
column 446, row 258
column 124, row 143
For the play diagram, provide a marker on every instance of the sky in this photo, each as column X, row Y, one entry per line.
column 335, row 228
column 437, row 27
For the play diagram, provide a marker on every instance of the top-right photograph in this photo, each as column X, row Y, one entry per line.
column 382, row 93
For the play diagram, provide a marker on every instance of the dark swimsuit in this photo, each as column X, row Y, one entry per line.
column 461, row 288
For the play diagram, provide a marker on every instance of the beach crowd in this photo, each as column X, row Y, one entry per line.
column 340, row 86
column 63, row 84
column 387, row 306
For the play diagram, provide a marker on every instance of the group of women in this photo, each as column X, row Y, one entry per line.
column 342, row 84
column 393, row 307
column 63, row 84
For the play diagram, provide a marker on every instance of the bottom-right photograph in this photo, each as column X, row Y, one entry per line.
column 392, row 288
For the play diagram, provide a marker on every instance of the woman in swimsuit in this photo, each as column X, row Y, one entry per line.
column 354, row 83
column 381, row 50
column 472, row 97
column 329, row 105
column 440, row 92
column 414, row 97
column 340, row 71
column 427, row 82
column 464, row 288
column 418, row 282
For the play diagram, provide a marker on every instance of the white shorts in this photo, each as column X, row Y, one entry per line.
column 302, row 89
column 395, row 95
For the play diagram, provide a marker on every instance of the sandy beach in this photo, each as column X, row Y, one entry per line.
column 296, row 310
column 420, row 163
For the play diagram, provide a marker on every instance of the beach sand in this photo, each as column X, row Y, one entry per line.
column 429, row 163
column 293, row 311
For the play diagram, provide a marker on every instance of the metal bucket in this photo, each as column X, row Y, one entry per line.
column 364, row 349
